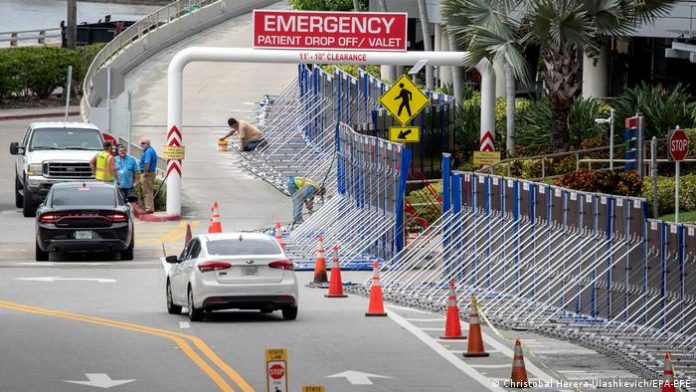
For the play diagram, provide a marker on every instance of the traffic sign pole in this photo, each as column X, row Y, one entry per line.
column 678, row 150
column 676, row 191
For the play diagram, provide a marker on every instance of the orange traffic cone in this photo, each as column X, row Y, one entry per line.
column 475, row 345
column 215, row 225
column 188, row 234
column 376, row 307
column 320, row 264
column 668, row 385
column 335, row 283
column 518, row 379
column 453, row 328
column 279, row 235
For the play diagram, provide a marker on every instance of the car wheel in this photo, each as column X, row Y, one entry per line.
column 171, row 308
column 40, row 254
column 127, row 254
column 290, row 313
column 19, row 200
column 194, row 314
column 28, row 208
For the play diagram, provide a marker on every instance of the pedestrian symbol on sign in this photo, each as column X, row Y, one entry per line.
column 405, row 96
column 404, row 100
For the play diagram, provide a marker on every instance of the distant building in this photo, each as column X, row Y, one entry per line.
column 658, row 53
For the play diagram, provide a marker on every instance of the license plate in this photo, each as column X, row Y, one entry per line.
column 83, row 235
column 248, row 271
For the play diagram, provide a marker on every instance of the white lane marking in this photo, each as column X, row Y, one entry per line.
column 424, row 319
column 484, row 366
column 463, row 351
column 100, row 380
column 432, row 329
column 507, row 351
column 184, row 324
column 443, row 352
column 356, row 377
column 54, row 279
column 410, row 309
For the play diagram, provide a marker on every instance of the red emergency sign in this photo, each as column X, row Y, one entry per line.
column 330, row 30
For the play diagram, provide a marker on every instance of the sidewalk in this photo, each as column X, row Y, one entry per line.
column 212, row 93
column 31, row 113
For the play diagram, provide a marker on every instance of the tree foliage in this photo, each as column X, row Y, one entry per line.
column 327, row 5
column 35, row 72
column 563, row 29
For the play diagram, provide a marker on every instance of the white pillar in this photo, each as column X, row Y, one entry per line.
column 595, row 77
column 445, row 73
column 500, row 90
column 488, row 80
column 386, row 72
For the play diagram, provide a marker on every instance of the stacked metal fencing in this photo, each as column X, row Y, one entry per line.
column 581, row 266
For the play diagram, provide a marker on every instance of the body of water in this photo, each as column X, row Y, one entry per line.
column 18, row 15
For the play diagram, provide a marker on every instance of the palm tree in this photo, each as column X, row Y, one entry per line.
column 563, row 29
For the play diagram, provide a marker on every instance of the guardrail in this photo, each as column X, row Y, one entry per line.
column 41, row 36
column 160, row 17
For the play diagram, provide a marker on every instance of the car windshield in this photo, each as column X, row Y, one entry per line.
column 84, row 196
column 245, row 247
column 66, row 139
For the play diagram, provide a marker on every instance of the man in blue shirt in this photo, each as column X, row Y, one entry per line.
column 126, row 169
column 148, row 164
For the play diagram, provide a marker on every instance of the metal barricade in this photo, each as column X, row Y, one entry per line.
column 583, row 266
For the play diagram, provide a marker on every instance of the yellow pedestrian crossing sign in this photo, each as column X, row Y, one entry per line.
column 404, row 100
column 404, row 134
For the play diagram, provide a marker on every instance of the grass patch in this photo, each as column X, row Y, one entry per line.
column 684, row 217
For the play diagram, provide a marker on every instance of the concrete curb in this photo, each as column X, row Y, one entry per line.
column 37, row 115
column 156, row 217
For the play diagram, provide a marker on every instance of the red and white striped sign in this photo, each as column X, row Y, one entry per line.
column 487, row 142
column 174, row 139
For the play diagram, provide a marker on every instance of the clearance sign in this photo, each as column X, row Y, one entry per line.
column 329, row 30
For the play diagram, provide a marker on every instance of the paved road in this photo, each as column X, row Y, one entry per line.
column 212, row 93
column 75, row 316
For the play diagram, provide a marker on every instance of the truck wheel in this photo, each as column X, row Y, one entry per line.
column 19, row 202
column 40, row 255
column 28, row 208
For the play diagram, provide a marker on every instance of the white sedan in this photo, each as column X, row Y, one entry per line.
column 231, row 271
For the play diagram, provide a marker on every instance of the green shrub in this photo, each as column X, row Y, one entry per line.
column 663, row 109
column 326, row 5
column 612, row 183
column 533, row 126
column 428, row 212
column 352, row 69
column 160, row 195
column 35, row 72
column 665, row 193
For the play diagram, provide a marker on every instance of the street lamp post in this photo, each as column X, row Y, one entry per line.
column 611, row 120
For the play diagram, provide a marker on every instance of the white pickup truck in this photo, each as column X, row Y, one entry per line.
column 52, row 152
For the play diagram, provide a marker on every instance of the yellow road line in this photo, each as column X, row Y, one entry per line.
column 180, row 236
column 179, row 338
column 172, row 232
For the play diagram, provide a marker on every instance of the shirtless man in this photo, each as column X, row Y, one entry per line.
column 249, row 136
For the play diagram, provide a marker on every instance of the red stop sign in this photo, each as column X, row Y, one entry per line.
column 276, row 371
column 678, row 145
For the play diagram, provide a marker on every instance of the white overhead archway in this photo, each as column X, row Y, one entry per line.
column 175, row 74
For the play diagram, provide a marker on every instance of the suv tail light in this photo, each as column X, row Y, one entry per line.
column 213, row 266
column 282, row 264
column 117, row 217
column 48, row 218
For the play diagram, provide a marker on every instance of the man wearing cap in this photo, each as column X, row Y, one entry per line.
column 103, row 165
